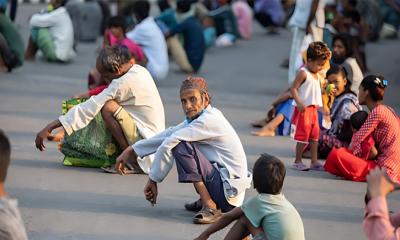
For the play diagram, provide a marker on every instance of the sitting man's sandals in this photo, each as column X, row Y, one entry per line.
column 195, row 206
column 129, row 168
column 207, row 216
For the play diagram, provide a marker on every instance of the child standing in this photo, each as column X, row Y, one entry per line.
column 306, row 92
column 268, row 215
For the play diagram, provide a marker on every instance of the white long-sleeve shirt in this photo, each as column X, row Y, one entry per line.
column 60, row 26
column 217, row 141
column 137, row 93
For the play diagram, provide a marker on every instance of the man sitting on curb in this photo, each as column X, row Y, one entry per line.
column 130, row 106
column 207, row 152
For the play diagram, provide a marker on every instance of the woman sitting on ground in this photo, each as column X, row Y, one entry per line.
column 345, row 104
column 384, row 127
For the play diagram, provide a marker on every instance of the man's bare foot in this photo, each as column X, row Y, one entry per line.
column 259, row 124
column 56, row 137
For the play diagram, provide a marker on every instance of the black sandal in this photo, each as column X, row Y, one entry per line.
column 207, row 216
column 195, row 206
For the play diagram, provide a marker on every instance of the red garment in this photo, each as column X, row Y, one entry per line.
column 341, row 162
column 366, row 147
column 96, row 90
column 384, row 126
column 305, row 124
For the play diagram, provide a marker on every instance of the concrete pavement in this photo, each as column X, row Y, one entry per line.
column 60, row 202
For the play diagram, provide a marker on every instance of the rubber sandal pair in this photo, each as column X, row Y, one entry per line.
column 128, row 169
column 317, row 166
column 195, row 206
column 300, row 166
column 207, row 216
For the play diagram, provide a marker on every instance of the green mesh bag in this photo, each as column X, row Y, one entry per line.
column 92, row 146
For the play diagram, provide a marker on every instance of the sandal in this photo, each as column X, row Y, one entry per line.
column 300, row 166
column 317, row 166
column 207, row 216
column 195, row 206
column 128, row 169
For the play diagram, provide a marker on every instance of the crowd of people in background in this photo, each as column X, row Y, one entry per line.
column 321, row 108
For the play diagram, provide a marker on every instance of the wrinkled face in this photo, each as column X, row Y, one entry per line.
column 339, row 51
column 339, row 81
column 362, row 95
column 193, row 102
column 315, row 65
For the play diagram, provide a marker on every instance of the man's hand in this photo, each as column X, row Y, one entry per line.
column 150, row 192
column 122, row 159
column 379, row 184
column 40, row 137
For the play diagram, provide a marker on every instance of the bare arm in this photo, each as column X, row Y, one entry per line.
column 283, row 96
column 224, row 221
column 373, row 153
column 45, row 132
column 314, row 7
column 294, row 89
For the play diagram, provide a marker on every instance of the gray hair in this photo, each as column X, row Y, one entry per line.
column 112, row 58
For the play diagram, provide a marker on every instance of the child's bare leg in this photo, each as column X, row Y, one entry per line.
column 314, row 152
column 242, row 228
column 299, row 151
column 239, row 230
column 269, row 128
column 205, row 197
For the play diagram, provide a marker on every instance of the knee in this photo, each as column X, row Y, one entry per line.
column 109, row 108
column 181, row 149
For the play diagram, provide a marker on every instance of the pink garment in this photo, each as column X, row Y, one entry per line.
column 384, row 126
column 378, row 224
column 244, row 18
column 133, row 47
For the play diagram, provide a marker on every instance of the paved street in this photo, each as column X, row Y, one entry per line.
column 60, row 202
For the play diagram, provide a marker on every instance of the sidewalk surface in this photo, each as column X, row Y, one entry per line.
column 60, row 202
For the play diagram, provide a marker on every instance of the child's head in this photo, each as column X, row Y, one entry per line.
column 357, row 119
column 317, row 55
column 183, row 6
column 163, row 5
column 141, row 9
column 268, row 174
column 117, row 26
column 337, row 75
column 5, row 151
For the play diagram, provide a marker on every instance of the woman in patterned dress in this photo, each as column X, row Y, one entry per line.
column 384, row 126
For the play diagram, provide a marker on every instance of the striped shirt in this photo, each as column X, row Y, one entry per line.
column 384, row 126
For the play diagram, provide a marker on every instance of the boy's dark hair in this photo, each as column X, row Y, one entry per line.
column 141, row 9
column 375, row 85
column 112, row 58
column 117, row 21
column 357, row 119
column 318, row 50
column 346, row 41
column 5, row 151
column 268, row 174
column 183, row 6
column 163, row 5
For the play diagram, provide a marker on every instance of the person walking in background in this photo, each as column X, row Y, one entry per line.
column 270, row 14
